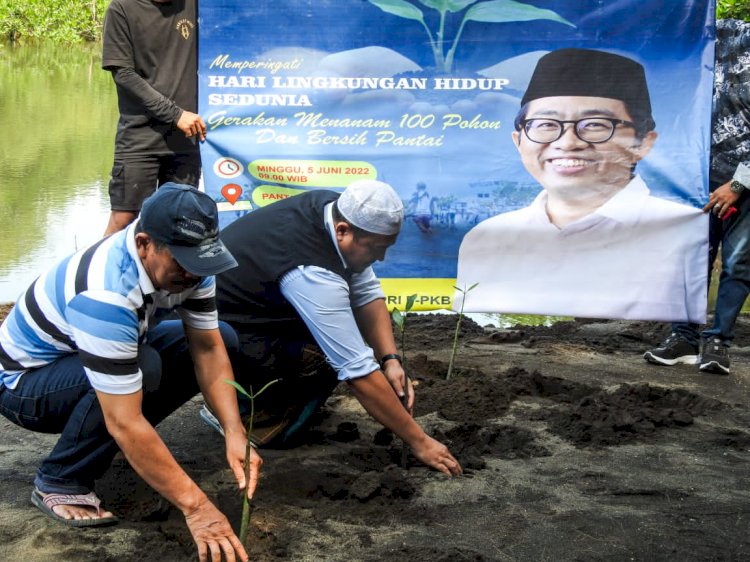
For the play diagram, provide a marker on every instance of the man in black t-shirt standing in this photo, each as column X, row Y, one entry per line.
column 150, row 49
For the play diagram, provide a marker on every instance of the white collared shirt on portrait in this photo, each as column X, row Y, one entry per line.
column 636, row 257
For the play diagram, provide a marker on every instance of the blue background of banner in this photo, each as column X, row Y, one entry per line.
column 480, row 169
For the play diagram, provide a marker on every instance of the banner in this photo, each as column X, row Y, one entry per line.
column 602, row 221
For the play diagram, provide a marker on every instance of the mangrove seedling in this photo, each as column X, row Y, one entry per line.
column 458, row 327
column 492, row 11
column 399, row 319
column 245, row 525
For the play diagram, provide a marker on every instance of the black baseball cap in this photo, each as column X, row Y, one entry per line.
column 187, row 221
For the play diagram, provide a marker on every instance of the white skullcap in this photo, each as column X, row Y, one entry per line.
column 373, row 206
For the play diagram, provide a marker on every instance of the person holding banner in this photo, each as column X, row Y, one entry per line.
column 594, row 242
column 310, row 312
column 150, row 49
column 729, row 208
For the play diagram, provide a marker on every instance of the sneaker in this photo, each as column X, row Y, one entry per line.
column 715, row 357
column 675, row 349
column 210, row 419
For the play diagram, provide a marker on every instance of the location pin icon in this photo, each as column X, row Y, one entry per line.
column 231, row 192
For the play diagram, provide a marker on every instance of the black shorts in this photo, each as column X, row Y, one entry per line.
column 134, row 180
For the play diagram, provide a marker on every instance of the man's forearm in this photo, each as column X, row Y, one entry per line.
column 377, row 397
column 212, row 370
column 221, row 398
column 374, row 323
column 154, row 103
column 149, row 456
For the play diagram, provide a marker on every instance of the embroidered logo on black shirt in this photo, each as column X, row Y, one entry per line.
column 185, row 26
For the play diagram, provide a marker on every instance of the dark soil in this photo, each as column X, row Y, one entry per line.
column 573, row 447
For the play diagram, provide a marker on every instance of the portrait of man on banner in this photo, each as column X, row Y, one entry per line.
column 594, row 242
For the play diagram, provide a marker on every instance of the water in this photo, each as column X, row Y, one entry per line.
column 58, row 111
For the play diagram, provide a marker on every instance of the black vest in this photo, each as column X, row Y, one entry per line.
column 267, row 243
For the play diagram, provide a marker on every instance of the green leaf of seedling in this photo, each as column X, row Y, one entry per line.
column 239, row 388
column 447, row 5
column 398, row 318
column 410, row 302
column 399, row 8
column 498, row 11
column 470, row 288
column 245, row 524
column 265, row 386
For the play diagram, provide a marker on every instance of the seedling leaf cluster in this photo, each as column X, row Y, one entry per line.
column 245, row 525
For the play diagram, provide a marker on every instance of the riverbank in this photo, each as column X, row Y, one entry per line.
column 53, row 20
column 574, row 449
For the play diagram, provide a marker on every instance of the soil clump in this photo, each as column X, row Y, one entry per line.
column 574, row 448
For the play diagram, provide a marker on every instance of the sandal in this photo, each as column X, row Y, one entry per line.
column 46, row 502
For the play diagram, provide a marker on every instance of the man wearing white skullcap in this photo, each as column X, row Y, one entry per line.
column 310, row 311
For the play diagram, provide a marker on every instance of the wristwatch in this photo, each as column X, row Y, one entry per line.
column 736, row 187
column 385, row 358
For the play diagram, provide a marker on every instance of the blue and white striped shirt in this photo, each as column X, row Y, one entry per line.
column 98, row 303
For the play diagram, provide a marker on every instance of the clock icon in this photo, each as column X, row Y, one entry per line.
column 228, row 168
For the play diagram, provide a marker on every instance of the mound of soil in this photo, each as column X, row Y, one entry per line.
column 574, row 448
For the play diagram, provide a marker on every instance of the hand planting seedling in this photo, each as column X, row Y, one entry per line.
column 245, row 526
column 493, row 11
column 399, row 320
column 458, row 327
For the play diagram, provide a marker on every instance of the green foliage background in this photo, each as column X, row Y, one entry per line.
column 64, row 21
column 75, row 21
column 733, row 9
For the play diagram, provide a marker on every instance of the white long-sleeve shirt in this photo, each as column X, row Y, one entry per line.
column 636, row 257
column 326, row 304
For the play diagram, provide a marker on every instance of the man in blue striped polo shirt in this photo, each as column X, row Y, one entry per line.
column 83, row 353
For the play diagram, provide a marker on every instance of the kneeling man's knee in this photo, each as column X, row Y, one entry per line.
column 229, row 335
column 149, row 362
